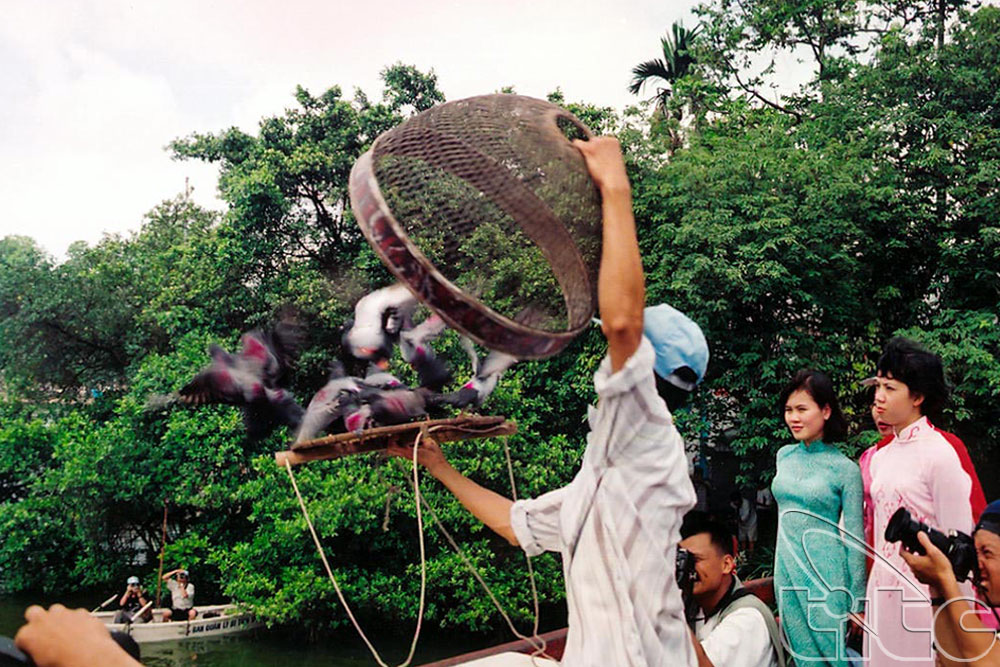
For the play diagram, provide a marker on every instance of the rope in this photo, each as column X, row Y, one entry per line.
column 531, row 571
column 336, row 586
column 535, row 640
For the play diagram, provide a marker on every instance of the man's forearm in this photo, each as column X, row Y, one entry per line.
column 621, row 287
column 960, row 636
column 489, row 507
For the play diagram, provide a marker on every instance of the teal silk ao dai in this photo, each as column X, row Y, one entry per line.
column 819, row 562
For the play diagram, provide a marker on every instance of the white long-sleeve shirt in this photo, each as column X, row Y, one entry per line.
column 739, row 640
column 617, row 525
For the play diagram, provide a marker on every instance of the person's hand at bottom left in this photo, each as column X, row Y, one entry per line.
column 61, row 637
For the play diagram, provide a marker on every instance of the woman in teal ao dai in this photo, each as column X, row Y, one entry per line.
column 819, row 563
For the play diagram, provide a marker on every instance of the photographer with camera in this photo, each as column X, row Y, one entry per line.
column 961, row 637
column 731, row 626
column 132, row 600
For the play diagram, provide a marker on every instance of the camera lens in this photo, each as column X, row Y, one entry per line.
column 958, row 547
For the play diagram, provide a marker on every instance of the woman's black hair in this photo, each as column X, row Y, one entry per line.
column 818, row 385
column 919, row 369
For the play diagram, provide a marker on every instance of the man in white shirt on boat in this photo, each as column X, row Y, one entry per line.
column 181, row 596
column 617, row 524
column 732, row 627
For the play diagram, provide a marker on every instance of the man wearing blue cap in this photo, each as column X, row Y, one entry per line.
column 617, row 524
column 962, row 637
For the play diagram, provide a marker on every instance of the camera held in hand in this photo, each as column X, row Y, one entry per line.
column 686, row 578
column 957, row 546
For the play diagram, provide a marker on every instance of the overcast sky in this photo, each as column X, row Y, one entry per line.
column 93, row 90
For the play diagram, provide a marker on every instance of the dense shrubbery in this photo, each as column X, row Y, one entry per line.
column 802, row 236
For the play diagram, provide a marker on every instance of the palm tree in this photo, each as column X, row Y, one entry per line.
column 676, row 62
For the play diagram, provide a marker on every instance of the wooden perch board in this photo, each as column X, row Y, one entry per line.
column 336, row 446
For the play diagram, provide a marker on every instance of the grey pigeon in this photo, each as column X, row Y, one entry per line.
column 380, row 379
column 415, row 346
column 330, row 403
column 416, row 342
column 485, row 376
column 250, row 380
column 384, row 407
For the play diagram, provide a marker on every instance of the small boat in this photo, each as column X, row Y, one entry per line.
column 518, row 653
column 212, row 621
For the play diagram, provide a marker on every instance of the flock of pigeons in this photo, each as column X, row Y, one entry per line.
column 254, row 379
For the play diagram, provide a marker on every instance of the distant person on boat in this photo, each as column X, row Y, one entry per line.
column 617, row 524
column 734, row 627
column 182, row 596
column 132, row 600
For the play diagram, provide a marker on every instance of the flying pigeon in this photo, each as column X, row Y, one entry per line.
column 330, row 403
column 380, row 379
column 250, row 380
column 415, row 346
column 384, row 407
column 379, row 318
column 484, row 378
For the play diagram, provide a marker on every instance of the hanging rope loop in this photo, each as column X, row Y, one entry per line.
column 424, row 435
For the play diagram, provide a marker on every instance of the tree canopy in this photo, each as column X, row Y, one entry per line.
column 803, row 232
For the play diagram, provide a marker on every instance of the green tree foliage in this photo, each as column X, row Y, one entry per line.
column 809, row 240
column 88, row 469
column 682, row 96
column 676, row 63
column 803, row 239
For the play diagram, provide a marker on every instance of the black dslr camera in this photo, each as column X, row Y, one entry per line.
column 686, row 576
column 958, row 547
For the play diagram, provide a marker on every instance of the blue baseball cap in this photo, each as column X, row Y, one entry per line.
column 989, row 520
column 677, row 342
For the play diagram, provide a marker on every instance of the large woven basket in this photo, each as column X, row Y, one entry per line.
column 485, row 209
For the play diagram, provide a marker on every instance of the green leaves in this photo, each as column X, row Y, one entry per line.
column 809, row 243
column 793, row 241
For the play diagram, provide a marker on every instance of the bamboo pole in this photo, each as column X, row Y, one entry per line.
column 163, row 547
column 142, row 611
column 378, row 438
column 105, row 603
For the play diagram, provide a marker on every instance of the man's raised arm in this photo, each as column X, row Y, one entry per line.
column 621, row 286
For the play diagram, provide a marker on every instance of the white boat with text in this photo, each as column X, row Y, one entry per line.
column 212, row 621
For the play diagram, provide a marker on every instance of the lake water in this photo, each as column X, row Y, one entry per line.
column 342, row 649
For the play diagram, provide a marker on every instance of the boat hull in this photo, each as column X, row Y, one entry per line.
column 230, row 621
